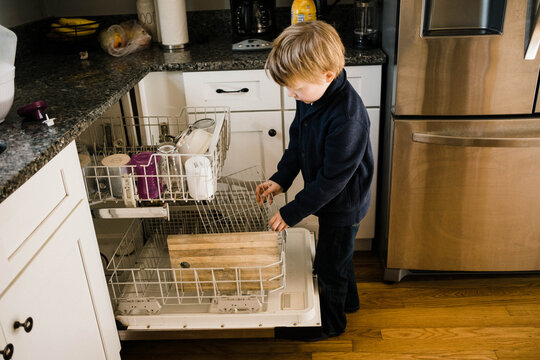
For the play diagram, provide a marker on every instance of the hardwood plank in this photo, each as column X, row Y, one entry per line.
column 531, row 309
column 477, row 333
column 388, row 297
column 182, row 354
column 427, row 346
column 518, row 354
column 437, row 317
column 270, row 346
column 450, row 281
column 359, row 333
column 446, row 355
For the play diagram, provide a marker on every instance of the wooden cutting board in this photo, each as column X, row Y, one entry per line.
column 240, row 261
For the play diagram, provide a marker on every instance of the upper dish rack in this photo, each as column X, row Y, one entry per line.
column 155, row 158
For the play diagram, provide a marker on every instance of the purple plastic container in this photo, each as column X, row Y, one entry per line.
column 146, row 169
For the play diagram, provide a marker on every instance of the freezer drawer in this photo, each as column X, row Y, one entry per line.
column 465, row 195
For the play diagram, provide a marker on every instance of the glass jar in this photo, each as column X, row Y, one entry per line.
column 170, row 167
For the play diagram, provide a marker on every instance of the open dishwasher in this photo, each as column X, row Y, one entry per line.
column 187, row 251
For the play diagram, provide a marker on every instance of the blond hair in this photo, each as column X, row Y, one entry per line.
column 304, row 51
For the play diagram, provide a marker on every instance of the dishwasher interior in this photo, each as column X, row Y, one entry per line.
column 185, row 247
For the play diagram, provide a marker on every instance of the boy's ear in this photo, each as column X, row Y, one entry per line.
column 329, row 76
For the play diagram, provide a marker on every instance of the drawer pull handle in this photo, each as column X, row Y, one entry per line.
column 272, row 132
column 7, row 352
column 221, row 91
column 438, row 139
column 27, row 325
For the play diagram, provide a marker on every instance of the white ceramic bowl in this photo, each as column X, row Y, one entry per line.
column 7, row 89
column 195, row 143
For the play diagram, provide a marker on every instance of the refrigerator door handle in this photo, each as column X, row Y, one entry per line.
column 534, row 43
column 438, row 139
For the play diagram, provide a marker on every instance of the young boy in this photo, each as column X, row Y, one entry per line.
column 329, row 144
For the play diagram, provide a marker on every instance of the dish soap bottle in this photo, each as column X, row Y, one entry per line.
column 303, row 11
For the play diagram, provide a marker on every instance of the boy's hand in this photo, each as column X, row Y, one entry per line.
column 277, row 223
column 268, row 189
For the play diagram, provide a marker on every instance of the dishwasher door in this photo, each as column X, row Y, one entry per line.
column 295, row 306
column 465, row 195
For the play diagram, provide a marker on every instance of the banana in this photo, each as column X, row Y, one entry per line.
column 79, row 22
column 71, row 31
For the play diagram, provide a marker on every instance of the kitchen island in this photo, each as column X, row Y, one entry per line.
column 79, row 91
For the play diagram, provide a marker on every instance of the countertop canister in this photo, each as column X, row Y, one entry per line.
column 147, row 17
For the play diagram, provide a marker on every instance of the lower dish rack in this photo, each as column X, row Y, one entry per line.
column 144, row 276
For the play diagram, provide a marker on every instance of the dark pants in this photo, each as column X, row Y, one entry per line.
column 335, row 272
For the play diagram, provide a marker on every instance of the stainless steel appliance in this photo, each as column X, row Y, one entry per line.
column 253, row 24
column 462, row 136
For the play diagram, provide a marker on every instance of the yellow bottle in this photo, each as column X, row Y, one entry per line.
column 303, row 10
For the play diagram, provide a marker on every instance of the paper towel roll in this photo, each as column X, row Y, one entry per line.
column 173, row 23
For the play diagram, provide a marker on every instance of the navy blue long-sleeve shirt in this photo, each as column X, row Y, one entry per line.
column 329, row 144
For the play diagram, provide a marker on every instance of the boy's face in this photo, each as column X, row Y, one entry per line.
column 309, row 92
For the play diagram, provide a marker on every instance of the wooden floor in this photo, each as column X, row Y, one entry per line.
column 428, row 317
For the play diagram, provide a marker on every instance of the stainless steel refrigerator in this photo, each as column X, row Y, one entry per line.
column 461, row 159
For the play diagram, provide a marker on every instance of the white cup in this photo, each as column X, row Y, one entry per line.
column 199, row 178
column 115, row 171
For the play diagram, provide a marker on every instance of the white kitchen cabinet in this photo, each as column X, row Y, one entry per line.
column 51, row 269
column 53, row 290
column 161, row 94
column 255, row 103
column 256, row 140
column 367, row 82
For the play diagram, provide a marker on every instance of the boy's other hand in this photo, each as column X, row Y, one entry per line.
column 267, row 190
column 277, row 223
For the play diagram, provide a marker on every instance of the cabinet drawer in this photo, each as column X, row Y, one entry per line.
column 365, row 79
column 240, row 90
column 33, row 212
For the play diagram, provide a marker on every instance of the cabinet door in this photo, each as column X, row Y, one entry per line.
column 161, row 94
column 53, row 289
column 367, row 225
column 256, row 140
column 365, row 79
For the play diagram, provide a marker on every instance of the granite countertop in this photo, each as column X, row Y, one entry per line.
column 79, row 91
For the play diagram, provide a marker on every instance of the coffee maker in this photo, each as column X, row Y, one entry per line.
column 253, row 24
